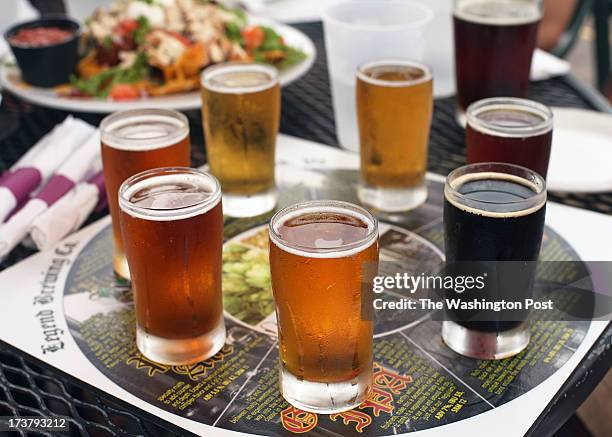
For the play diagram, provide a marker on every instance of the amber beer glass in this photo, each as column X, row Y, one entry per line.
column 172, row 225
column 241, row 113
column 515, row 131
column 134, row 141
column 321, row 256
column 494, row 43
column 394, row 108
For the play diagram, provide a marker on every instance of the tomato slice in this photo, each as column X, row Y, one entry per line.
column 127, row 26
column 253, row 37
column 124, row 91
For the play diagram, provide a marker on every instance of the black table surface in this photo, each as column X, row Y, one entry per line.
column 29, row 387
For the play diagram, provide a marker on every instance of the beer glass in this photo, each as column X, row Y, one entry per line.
column 494, row 43
column 134, row 141
column 172, row 224
column 359, row 31
column 516, row 131
column 320, row 253
column 494, row 215
column 394, row 109
column 241, row 113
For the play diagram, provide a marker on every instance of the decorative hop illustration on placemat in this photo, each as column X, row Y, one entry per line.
column 247, row 290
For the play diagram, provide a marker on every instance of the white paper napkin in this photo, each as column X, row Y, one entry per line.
column 66, row 215
column 13, row 231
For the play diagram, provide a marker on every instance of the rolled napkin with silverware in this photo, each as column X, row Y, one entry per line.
column 71, row 171
column 8, row 195
column 69, row 213
column 40, row 162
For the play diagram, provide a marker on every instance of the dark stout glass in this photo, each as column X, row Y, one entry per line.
column 172, row 226
column 318, row 253
column 494, row 43
column 493, row 212
column 516, row 131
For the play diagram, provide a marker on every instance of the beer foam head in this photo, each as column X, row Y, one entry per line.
column 239, row 78
column 323, row 229
column 143, row 129
column 491, row 193
column 510, row 117
column 394, row 72
column 498, row 12
column 167, row 194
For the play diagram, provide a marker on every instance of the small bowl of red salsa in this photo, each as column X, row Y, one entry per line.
column 46, row 49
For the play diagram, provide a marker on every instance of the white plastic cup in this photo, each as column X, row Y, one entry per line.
column 439, row 52
column 365, row 30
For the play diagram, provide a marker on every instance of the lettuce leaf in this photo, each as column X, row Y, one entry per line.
column 99, row 85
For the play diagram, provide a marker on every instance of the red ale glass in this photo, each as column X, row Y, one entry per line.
column 513, row 131
column 172, row 225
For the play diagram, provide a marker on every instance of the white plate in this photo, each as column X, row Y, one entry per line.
column 10, row 80
column 581, row 154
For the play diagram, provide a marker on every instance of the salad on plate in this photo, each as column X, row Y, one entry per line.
column 141, row 48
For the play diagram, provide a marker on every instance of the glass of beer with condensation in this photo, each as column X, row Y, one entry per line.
column 172, row 225
column 134, row 141
column 394, row 110
column 241, row 115
column 323, row 255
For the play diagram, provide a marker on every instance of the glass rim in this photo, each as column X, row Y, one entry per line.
column 167, row 214
column 327, row 16
column 361, row 72
column 111, row 139
column 533, row 179
column 337, row 205
column 474, row 111
column 503, row 20
column 211, row 71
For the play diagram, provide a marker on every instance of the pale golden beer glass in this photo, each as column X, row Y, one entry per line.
column 134, row 141
column 172, row 225
column 321, row 254
column 241, row 115
column 394, row 110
